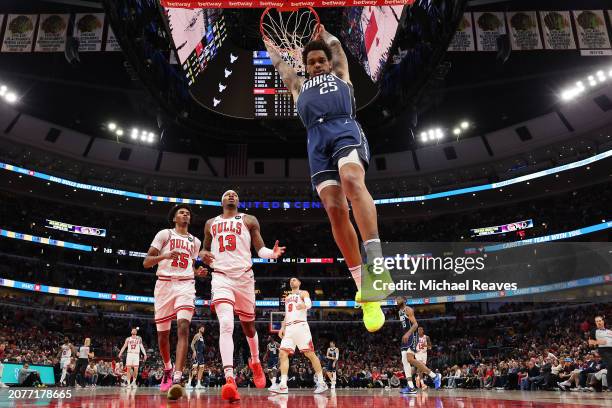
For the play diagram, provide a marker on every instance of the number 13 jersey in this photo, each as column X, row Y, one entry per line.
column 231, row 245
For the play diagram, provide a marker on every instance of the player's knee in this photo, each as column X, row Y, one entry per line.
column 336, row 209
column 248, row 328
column 352, row 183
column 182, row 327
column 284, row 355
column 226, row 325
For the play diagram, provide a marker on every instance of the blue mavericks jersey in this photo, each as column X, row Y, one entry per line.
column 324, row 97
column 412, row 340
column 199, row 346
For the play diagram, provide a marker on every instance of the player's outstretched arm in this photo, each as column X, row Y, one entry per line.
column 339, row 61
column 258, row 242
column 290, row 78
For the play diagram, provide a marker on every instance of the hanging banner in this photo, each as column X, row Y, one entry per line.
column 557, row 29
column 19, row 33
column 88, row 29
column 524, row 30
column 591, row 29
column 111, row 41
column 489, row 26
column 464, row 36
column 195, row 4
column 52, row 33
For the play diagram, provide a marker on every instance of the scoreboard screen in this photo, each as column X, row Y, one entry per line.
column 270, row 97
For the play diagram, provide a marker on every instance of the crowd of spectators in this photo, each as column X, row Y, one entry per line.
column 535, row 349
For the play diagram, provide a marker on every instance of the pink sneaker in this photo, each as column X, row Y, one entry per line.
column 166, row 381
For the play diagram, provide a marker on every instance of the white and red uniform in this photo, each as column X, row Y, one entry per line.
column 421, row 354
column 297, row 331
column 66, row 355
column 134, row 347
column 233, row 280
column 175, row 286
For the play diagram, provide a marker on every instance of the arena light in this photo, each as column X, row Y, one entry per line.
column 456, row 131
column 119, row 132
column 10, row 97
column 3, row 90
column 112, row 126
column 424, row 137
column 439, row 134
column 143, row 137
column 465, row 124
column 134, row 135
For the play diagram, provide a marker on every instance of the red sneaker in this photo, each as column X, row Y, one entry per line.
column 229, row 392
column 259, row 378
column 166, row 382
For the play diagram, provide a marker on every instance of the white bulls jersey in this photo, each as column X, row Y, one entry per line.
column 66, row 351
column 231, row 245
column 292, row 314
column 133, row 344
column 169, row 240
column 422, row 345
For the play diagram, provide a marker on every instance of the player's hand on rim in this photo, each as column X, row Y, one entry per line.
column 278, row 250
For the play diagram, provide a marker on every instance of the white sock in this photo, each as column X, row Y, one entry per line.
column 410, row 384
column 356, row 273
column 432, row 374
column 283, row 381
column 333, row 380
column 319, row 376
column 254, row 347
column 229, row 372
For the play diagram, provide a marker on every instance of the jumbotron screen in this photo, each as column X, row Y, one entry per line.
column 242, row 83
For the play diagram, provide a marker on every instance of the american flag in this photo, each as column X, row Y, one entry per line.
column 235, row 160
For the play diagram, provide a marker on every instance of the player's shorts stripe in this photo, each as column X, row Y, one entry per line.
column 190, row 308
column 165, row 318
column 288, row 350
column 222, row 300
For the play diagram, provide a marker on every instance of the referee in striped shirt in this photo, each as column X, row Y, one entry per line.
column 603, row 341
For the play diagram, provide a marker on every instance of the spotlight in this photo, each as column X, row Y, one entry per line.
column 439, row 134
column 4, row 89
column 119, row 132
column 151, row 135
column 150, row 139
column 465, row 124
column 591, row 78
column 134, row 134
column 580, row 85
column 610, row 73
column 456, row 131
column 593, row 83
column 143, row 137
column 424, row 137
column 112, row 126
column 10, row 97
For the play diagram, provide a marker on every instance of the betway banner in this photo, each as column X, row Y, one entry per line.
column 280, row 4
column 502, row 229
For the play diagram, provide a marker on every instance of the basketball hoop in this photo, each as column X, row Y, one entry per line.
column 288, row 30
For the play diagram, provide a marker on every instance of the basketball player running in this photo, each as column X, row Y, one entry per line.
column 423, row 344
column 134, row 347
column 338, row 155
column 272, row 359
column 296, row 333
column 197, row 350
column 65, row 356
column 409, row 347
column 332, row 356
column 227, row 249
column 174, row 251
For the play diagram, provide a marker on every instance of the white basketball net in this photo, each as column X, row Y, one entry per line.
column 288, row 32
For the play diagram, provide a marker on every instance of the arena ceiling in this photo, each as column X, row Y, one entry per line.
column 477, row 88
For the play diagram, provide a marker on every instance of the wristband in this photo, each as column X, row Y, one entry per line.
column 265, row 253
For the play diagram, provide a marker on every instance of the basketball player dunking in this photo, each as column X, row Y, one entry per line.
column 332, row 356
column 409, row 347
column 338, row 155
column 134, row 347
column 174, row 251
column 295, row 332
column 197, row 350
column 66, row 354
column 423, row 344
column 227, row 249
